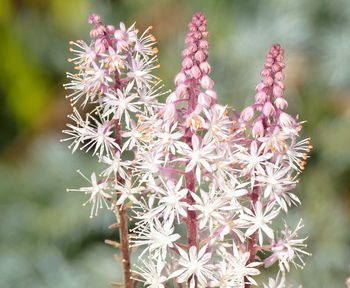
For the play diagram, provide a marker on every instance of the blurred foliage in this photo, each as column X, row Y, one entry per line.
column 47, row 239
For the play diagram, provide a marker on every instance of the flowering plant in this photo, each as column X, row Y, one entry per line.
column 187, row 164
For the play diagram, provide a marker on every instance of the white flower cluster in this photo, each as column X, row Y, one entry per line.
column 115, row 84
column 195, row 167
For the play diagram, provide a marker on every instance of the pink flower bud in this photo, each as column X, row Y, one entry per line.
column 204, row 99
column 172, row 97
column 110, row 28
column 286, row 120
column 258, row 129
column 281, row 103
column 260, row 97
column 99, row 45
column 200, row 56
column 186, row 53
column 181, row 90
column 196, row 72
column 268, row 109
column 193, row 48
column 187, row 63
column 260, row 87
column 276, row 67
column 265, row 73
column 279, row 76
column 189, row 39
column 280, row 83
column 247, row 114
column 205, row 67
column 269, row 261
column 268, row 81
column 203, row 44
column 192, row 27
column 94, row 19
column 198, row 110
column 202, row 28
column 180, row 78
column 207, row 82
column 94, row 33
column 101, row 30
column 197, row 35
column 277, row 91
column 269, row 59
column 212, row 94
column 198, row 22
column 170, row 113
column 119, row 35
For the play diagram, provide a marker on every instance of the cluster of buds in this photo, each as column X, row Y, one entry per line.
column 195, row 167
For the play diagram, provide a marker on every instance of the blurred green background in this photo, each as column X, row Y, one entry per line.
column 47, row 238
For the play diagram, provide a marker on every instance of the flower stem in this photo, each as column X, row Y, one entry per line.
column 252, row 240
column 124, row 245
column 123, row 225
column 191, row 214
column 191, row 186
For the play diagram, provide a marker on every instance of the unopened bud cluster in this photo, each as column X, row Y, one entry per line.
column 187, row 164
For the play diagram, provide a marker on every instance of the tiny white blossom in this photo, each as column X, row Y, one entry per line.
column 88, row 84
column 114, row 60
column 194, row 264
column 126, row 191
column 158, row 237
column 98, row 194
column 276, row 182
column 279, row 282
column 120, row 104
column 199, row 156
column 116, row 166
column 235, row 270
column 140, row 71
column 218, row 124
column 84, row 54
column 210, row 207
column 258, row 220
column 152, row 273
column 169, row 140
column 171, row 202
column 288, row 248
column 254, row 159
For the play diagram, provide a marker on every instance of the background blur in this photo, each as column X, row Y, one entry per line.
column 47, row 238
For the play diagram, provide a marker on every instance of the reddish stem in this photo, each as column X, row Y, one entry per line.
column 123, row 225
column 191, row 214
column 252, row 240
column 124, row 245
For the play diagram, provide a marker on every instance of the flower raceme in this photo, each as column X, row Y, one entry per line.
column 187, row 164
